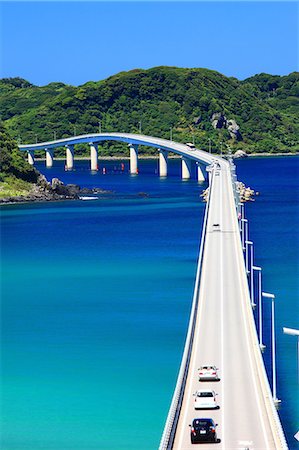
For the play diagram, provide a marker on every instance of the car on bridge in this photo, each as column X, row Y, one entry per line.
column 216, row 226
column 191, row 146
column 203, row 430
column 208, row 373
column 205, row 399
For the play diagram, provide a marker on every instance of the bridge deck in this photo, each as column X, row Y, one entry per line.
column 223, row 337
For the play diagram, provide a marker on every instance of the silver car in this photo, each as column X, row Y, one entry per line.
column 208, row 373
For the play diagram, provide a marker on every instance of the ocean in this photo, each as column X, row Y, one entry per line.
column 96, row 297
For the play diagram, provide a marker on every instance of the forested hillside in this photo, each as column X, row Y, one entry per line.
column 259, row 114
column 16, row 175
column 12, row 160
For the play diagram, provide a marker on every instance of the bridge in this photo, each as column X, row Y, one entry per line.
column 221, row 329
column 186, row 152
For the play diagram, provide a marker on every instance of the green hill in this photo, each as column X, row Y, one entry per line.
column 263, row 109
column 16, row 176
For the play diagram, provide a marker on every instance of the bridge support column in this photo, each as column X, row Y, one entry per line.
column 69, row 157
column 93, row 156
column 31, row 157
column 49, row 157
column 163, row 156
column 133, row 159
column 186, row 168
column 200, row 174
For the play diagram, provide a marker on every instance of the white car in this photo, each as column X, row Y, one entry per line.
column 191, row 146
column 205, row 399
column 208, row 373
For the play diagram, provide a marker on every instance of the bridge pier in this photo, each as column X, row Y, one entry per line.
column 31, row 157
column 69, row 157
column 163, row 156
column 133, row 159
column 200, row 174
column 186, row 168
column 93, row 156
column 49, row 157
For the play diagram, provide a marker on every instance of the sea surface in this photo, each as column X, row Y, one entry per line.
column 96, row 297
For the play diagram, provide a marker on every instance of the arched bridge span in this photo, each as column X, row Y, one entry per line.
column 187, row 152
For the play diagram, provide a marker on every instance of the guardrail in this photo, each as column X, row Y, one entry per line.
column 177, row 399
column 277, row 431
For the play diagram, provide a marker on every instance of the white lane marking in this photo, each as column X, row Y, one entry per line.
column 222, row 311
column 245, row 448
column 245, row 442
column 192, row 368
column 247, row 335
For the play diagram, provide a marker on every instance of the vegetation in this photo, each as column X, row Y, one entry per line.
column 161, row 100
column 16, row 176
column 11, row 186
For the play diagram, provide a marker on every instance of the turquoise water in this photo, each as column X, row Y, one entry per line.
column 96, row 298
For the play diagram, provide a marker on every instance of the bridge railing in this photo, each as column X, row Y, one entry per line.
column 177, row 399
column 276, row 427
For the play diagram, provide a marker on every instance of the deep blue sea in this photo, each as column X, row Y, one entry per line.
column 96, row 297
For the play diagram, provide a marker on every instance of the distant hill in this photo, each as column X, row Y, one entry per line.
column 259, row 114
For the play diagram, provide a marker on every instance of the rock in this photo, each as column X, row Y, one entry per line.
column 59, row 188
column 56, row 182
column 43, row 183
column 100, row 191
column 240, row 154
column 218, row 120
column 86, row 191
column 233, row 129
column 197, row 120
column 246, row 193
column 73, row 189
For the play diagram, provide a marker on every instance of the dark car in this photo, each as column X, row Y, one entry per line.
column 203, row 430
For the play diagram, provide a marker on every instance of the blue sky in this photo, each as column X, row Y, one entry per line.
column 75, row 42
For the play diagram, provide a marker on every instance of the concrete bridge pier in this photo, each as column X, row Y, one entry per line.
column 93, row 156
column 133, row 159
column 186, row 168
column 69, row 157
column 200, row 174
column 30, row 157
column 163, row 156
column 49, row 157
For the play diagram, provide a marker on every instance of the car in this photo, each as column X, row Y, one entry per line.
column 216, row 227
column 205, row 399
column 203, row 430
column 191, row 146
column 208, row 372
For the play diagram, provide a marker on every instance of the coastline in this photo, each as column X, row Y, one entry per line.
column 74, row 192
column 44, row 191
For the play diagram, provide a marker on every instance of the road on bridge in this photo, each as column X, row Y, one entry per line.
column 223, row 338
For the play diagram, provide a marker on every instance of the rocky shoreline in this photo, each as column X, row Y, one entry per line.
column 246, row 193
column 44, row 191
